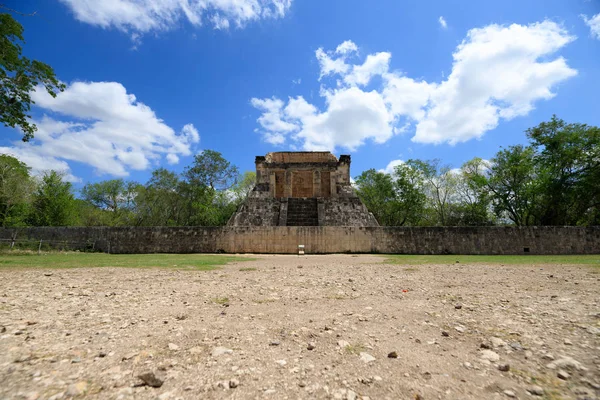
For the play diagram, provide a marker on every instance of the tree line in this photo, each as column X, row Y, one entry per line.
column 554, row 180
column 206, row 193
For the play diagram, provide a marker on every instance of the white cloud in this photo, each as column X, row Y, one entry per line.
column 329, row 66
column 374, row 65
column 496, row 74
column 499, row 72
column 391, row 165
column 347, row 47
column 594, row 24
column 443, row 22
column 99, row 124
column 143, row 16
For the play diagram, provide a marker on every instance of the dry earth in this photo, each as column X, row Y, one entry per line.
column 302, row 327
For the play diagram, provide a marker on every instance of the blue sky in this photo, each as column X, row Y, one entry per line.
column 151, row 83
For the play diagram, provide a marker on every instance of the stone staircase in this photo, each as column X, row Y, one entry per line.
column 302, row 212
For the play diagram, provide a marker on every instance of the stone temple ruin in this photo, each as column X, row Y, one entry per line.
column 302, row 189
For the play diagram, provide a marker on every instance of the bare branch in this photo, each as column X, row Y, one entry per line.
column 33, row 14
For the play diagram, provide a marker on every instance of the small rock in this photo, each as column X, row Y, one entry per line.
column 151, row 380
column 564, row 375
column 366, row 357
column 392, row 354
column 458, row 306
column 489, row 355
column 343, row 344
column 535, row 390
column 485, row 346
column 445, row 333
column 516, row 346
column 510, row 393
column 274, row 343
column 233, row 383
column 76, row 389
column 568, row 342
column 460, row 329
column 281, row 362
column 568, row 363
column 173, row 347
column 219, row 351
column 102, row 354
column 497, row 342
column 504, row 367
column 311, row 346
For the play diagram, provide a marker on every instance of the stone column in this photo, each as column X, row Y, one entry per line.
column 272, row 183
column 333, row 184
column 317, row 183
column 287, row 187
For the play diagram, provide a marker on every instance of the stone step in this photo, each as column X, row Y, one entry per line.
column 302, row 212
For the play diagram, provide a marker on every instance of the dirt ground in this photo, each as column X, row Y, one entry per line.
column 288, row 327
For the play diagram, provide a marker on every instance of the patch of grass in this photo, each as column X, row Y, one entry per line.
column 403, row 259
column 263, row 301
column 247, row 269
column 355, row 348
column 201, row 262
column 221, row 300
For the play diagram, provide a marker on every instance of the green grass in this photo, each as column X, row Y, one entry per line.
column 221, row 300
column 469, row 259
column 201, row 262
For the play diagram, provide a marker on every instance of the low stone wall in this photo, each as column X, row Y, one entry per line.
column 320, row 240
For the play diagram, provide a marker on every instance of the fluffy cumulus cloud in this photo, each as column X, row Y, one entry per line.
column 143, row 16
column 499, row 72
column 594, row 25
column 101, row 125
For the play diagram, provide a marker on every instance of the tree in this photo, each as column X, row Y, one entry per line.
column 210, row 169
column 376, row 190
column 115, row 196
column 54, row 203
column 395, row 199
column 16, row 189
column 245, row 184
column 514, row 185
column 408, row 185
column 473, row 199
column 440, row 187
column 161, row 201
column 568, row 161
column 19, row 76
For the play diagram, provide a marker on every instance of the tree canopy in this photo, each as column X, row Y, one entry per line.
column 19, row 76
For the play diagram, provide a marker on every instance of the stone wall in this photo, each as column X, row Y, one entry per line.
column 345, row 211
column 324, row 239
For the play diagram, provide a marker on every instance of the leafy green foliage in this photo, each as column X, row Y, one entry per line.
column 54, row 203
column 19, row 76
column 16, row 190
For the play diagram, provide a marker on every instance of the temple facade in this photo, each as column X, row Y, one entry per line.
column 302, row 189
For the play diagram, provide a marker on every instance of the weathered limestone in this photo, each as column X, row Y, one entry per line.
column 302, row 189
column 319, row 239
